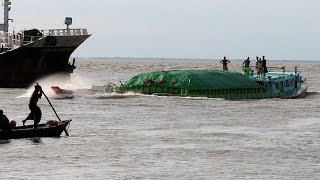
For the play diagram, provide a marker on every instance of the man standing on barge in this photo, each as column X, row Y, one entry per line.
column 225, row 63
column 264, row 66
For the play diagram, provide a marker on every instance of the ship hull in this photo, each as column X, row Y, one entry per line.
column 49, row 55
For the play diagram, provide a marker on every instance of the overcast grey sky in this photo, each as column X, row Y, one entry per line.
column 278, row 29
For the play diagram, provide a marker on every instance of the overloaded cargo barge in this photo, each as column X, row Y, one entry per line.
column 218, row 84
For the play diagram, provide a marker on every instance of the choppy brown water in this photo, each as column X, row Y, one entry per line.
column 148, row 137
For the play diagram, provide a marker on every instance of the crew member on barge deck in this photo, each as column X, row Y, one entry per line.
column 225, row 63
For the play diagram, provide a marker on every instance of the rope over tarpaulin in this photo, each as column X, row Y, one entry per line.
column 193, row 80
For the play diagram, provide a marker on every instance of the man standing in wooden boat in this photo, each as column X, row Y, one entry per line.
column 35, row 113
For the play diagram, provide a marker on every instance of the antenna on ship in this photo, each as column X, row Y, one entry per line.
column 6, row 8
column 68, row 21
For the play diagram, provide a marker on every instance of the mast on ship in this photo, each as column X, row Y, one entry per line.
column 6, row 8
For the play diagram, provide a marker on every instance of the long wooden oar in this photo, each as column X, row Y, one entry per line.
column 65, row 131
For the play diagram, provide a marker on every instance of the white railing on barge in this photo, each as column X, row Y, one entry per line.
column 9, row 40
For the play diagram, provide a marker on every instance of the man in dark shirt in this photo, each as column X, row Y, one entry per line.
column 225, row 63
column 35, row 113
column 246, row 68
column 246, row 62
column 4, row 121
column 264, row 66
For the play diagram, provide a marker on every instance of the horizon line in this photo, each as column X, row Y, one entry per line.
column 174, row 58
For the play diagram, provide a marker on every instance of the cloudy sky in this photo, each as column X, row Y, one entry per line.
column 278, row 29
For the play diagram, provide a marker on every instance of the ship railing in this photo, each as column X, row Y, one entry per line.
column 56, row 32
column 9, row 40
column 64, row 32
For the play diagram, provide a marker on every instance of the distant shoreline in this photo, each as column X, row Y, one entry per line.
column 180, row 59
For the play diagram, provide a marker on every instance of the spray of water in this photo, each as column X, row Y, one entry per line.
column 76, row 82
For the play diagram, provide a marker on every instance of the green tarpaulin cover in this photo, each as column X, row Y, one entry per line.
column 193, row 79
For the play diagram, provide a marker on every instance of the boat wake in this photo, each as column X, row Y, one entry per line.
column 116, row 95
column 199, row 98
column 63, row 96
column 315, row 93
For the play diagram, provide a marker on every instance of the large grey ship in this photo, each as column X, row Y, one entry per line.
column 32, row 54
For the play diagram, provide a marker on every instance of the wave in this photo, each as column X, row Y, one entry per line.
column 116, row 95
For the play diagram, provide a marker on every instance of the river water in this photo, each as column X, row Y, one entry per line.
column 132, row 136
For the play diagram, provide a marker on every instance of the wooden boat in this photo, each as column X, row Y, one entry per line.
column 42, row 130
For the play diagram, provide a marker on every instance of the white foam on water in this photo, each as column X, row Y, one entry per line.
column 116, row 95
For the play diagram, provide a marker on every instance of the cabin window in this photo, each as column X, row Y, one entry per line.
column 287, row 83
